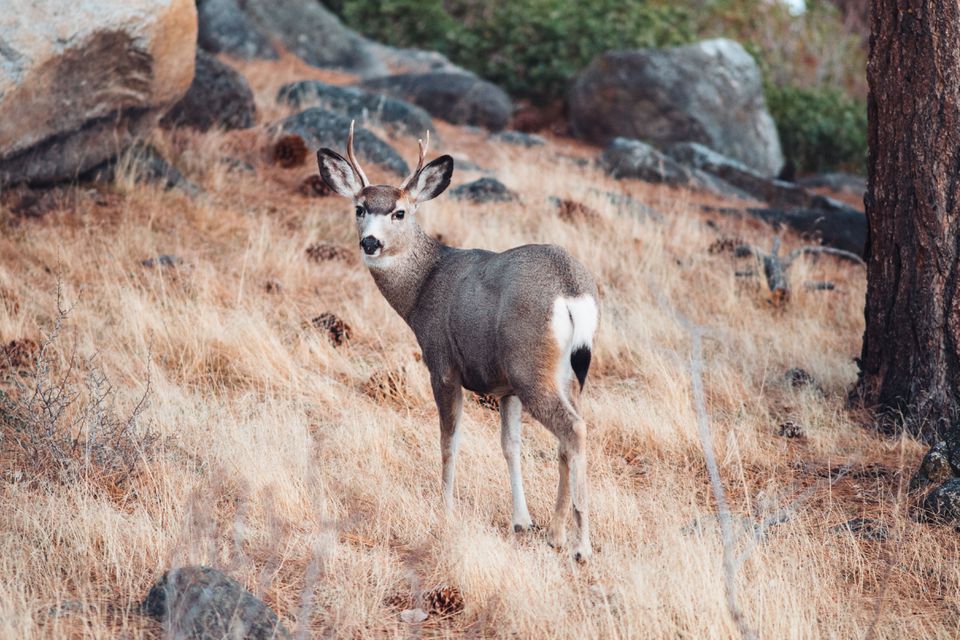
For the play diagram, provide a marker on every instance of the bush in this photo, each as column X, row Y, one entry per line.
column 532, row 48
column 820, row 129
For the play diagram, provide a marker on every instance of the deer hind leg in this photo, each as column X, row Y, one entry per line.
column 557, row 414
column 449, row 398
column 510, row 441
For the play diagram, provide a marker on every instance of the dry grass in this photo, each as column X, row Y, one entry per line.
column 309, row 470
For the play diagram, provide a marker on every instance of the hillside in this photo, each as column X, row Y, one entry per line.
column 308, row 468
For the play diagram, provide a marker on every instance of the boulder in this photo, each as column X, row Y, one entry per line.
column 943, row 503
column 484, row 190
column 709, row 92
column 624, row 158
column 355, row 103
column 935, row 468
column 145, row 165
column 225, row 28
column 459, row 98
column 777, row 193
column 199, row 602
column 841, row 229
column 218, row 97
column 310, row 31
column 399, row 60
column 80, row 80
column 846, row 183
column 321, row 128
column 520, row 139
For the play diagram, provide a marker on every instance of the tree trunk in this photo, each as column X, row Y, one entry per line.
column 910, row 362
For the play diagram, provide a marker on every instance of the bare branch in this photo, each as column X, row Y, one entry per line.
column 830, row 251
column 713, row 469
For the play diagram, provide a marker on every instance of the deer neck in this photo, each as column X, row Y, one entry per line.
column 401, row 279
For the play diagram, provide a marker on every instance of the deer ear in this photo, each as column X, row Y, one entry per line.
column 432, row 180
column 338, row 174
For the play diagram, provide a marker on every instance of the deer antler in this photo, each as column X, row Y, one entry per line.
column 353, row 159
column 423, row 154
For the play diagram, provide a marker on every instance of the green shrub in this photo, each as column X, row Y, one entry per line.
column 423, row 24
column 531, row 48
column 820, row 129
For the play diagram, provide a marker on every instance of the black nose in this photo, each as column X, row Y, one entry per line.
column 370, row 245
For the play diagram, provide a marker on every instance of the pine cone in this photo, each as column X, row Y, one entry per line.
column 487, row 402
column 320, row 252
column 387, row 385
column 790, row 429
column 337, row 330
column 315, row 187
column 443, row 600
column 290, row 151
column 725, row 245
column 573, row 211
column 399, row 601
column 18, row 354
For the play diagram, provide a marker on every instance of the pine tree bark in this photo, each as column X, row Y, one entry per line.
column 910, row 363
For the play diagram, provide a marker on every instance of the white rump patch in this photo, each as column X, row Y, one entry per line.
column 573, row 323
column 582, row 310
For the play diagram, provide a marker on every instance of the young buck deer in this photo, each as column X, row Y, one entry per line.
column 516, row 325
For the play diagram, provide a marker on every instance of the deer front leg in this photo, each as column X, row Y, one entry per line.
column 449, row 398
column 510, row 442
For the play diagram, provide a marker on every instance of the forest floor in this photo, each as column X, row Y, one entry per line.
column 307, row 467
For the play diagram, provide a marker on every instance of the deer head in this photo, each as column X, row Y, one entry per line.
column 386, row 224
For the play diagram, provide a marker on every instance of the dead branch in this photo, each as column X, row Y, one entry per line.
column 713, row 468
column 775, row 267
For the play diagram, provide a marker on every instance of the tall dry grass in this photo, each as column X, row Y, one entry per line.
column 278, row 461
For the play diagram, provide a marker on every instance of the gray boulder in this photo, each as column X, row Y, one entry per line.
column 484, row 190
column 710, row 92
column 355, row 103
column 218, row 97
column 400, row 60
column 200, row 603
column 225, row 28
column 314, row 34
column 624, row 158
column 459, row 98
column 520, row 139
column 837, row 181
column 321, row 128
column 844, row 229
column 934, row 469
column 778, row 193
column 943, row 503
column 78, row 87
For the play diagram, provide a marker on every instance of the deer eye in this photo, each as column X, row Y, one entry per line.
column 398, row 215
column 359, row 212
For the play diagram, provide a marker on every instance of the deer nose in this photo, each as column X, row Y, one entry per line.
column 370, row 245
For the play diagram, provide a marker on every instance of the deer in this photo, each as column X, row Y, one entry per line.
column 517, row 325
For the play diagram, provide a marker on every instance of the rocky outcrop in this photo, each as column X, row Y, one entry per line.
column 321, row 128
column 624, row 158
column 484, row 190
column 200, row 602
column 225, row 28
column 459, row 98
column 845, row 183
column 355, row 103
column 400, row 60
column 314, row 34
column 710, row 92
column 218, row 97
column 79, row 81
